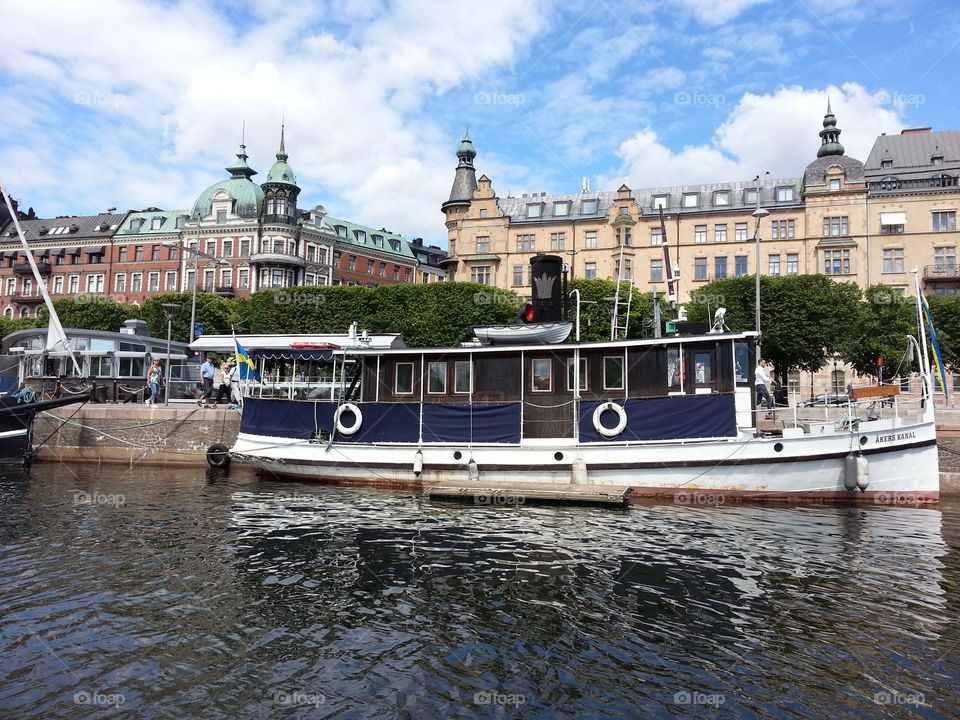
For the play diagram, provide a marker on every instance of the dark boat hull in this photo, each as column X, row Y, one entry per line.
column 16, row 426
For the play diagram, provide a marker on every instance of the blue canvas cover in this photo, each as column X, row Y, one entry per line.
column 489, row 424
column 670, row 418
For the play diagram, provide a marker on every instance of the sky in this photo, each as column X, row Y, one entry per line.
column 143, row 103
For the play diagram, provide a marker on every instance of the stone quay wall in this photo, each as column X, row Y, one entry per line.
column 134, row 434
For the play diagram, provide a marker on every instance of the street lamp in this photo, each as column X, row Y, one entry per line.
column 196, row 275
column 759, row 214
column 170, row 308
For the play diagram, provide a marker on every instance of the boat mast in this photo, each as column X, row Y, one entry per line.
column 56, row 337
column 672, row 277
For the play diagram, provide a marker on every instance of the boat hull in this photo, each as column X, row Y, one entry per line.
column 902, row 465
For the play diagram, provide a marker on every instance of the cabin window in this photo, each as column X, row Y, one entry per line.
column 461, row 377
column 613, row 373
column 741, row 359
column 403, row 381
column 541, row 375
column 100, row 366
column 571, row 380
column 674, row 368
column 703, row 367
column 437, row 378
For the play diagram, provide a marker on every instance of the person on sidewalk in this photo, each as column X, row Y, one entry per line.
column 154, row 380
column 762, row 383
column 207, row 372
column 225, row 382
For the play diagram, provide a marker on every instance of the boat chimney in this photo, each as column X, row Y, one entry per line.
column 547, row 300
column 135, row 327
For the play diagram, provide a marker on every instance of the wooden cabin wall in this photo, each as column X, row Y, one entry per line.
column 497, row 378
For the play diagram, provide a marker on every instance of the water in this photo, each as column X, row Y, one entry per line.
column 152, row 593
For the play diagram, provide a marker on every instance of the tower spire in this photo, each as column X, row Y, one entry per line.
column 282, row 153
column 830, row 135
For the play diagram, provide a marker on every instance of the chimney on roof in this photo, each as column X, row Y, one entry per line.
column 915, row 131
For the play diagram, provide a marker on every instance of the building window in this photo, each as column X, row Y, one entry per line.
column 783, row 229
column 243, row 278
column 403, row 379
column 244, row 247
column 936, row 160
column 12, row 285
column 836, row 262
column 136, row 282
column 891, row 229
column 893, row 260
column 740, row 265
column 541, row 375
column 437, row 378
column 483, row 212
column 691, row 200
column 886, row 164
column 590, row 270
column 834, row 183
column 588, row 207
column 656, row 270
column 582, row 379
column 156, row 223
column 228, row 248
column 561, row 209
column 624, row 235
column 613, row 373
column 171, row 281
column 138, row 253
column 944, row 220
column 700, row 268
column 945, row 257
column 700, row 233
column 740, row 232
column 835, row 226
column 518, row 274
column 721, row 197
column 462, row 377
column 533, row 211
column 557, row 240
column 526, row 243
column 95, row 283
column 119, row 283
column 370, row 266
column 750, row 196
column 627, row 269
column 793, row 264
column 58, row 285
column 221, row 216
column 656, row 236
column 478, row 274
column 661, row 201
column 483, row 244
column 153, row 282
column 785, row 194
column 720, row 232
column 719, row 268
column 351, row 262
column 773, row 265
column 590, row 239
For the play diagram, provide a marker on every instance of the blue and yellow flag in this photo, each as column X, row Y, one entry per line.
column 248, row 370
column 941, row 373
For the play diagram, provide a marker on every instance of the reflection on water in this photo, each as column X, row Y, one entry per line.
column 158, row 594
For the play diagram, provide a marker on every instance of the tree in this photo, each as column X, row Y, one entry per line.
column 596, row 306
column 945, row 311
column 215, row 313
column 879, row 329
column 803, row 318
column 93, row 313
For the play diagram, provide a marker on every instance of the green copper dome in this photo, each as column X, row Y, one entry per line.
column 247, row 196
column 281, row 173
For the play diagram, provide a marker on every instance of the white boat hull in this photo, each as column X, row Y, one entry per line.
column 902, row 464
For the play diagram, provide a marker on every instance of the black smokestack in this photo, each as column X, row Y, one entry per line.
column 545, row 271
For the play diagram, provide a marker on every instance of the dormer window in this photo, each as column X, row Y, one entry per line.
column 181, row 221
column 156, row 223
column 691, row 200
column 750, row 196
column 661, row 201
column 588, row 207
column 561, row 209
column 361, row 236
column 136, row 224
column 341, row 231
column 785, row 193
column 936, row 160
column 834, row 183
column 721, row 197
column 534, row 211
column 886, row 164
column 43, row 230
column 395, row 245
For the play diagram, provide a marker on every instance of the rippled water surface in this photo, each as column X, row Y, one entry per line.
column 155, row 593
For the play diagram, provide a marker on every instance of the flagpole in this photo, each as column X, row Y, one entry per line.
column 236, row 360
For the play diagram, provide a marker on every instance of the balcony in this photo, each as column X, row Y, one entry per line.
column 279, row 220
column 25, row 269
column 277, row 258
column 26, row 299
column 222, row 290
column 941, row 273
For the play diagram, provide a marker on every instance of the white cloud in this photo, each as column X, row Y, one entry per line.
column 775, row 132
column 717, row 12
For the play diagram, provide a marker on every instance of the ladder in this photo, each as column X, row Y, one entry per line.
column 620, row 319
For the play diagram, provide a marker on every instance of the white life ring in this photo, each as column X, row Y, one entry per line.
column 348, row 430
column 603, row 430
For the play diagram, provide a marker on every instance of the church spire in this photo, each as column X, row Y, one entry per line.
column 830, row 135
column 465, row 179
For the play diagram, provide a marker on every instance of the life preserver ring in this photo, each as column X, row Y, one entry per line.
column 601, row 428
column 348, row 430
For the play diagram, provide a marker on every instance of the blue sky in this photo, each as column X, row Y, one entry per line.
column 130, row 103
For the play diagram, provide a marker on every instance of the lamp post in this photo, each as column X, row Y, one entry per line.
column 170, row 308
column 196, row 274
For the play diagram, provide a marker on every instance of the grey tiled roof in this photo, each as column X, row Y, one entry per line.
column 516, row 207
column 911, row 155
column 88, row 229
column 815, row 173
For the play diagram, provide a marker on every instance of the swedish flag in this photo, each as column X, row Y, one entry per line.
column 941, row 372
column 248, row 370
